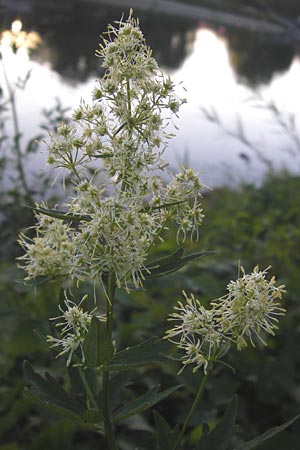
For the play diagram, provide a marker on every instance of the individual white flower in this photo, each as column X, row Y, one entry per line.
column 65, row 148
column 194, row 354
column 192, row 317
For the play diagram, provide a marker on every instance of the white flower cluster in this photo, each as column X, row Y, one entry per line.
column 124, row 128
column 51, row 251
column 250, row 308
column 73, row 326
column 199, row 337
column 188, row 215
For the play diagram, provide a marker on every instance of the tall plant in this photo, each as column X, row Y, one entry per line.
column 18, row 180
column 106, row 232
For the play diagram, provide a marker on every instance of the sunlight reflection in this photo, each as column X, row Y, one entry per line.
column 212, row 85
column 283, row 88
column 17, row 39
column 16, row 26
column 207, row 70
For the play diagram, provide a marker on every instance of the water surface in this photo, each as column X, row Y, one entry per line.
column 210, row 84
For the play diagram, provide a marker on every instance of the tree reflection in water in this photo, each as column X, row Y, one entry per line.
column 70, row 35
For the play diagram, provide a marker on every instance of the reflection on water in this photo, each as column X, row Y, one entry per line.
column 256, row 58
column 16, row 38
column 71, row 37
column 210, row 83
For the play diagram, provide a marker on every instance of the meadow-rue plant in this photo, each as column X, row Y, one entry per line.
column 114, row 216
column 124, row 127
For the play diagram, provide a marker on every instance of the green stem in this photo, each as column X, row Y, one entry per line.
column 194, row 405
column 128, row 100
column 110, row 302
column 87, row 388
column 128, row 125
column 76, row 173
column 108, row 427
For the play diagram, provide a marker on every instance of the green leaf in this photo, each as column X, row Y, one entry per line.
column 77, row 385
column 38, row 281
column 148, row 352
column 219, row 437
column 31, row 395
column 166, row 259
column 9, row 447
column 171, row 263
column 57, row 214
column 142, row 403
column 48, row 391
column 163, row 206
column 103, row 155
column 93, row 416
column 97, row 347
column 33, row 143
column 116, row 386
column 284, row 440
column 258, row 443
column 165, row 436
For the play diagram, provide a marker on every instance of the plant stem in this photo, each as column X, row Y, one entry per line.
column 108, row 428
column 194, row 405
column 128, row 101
column 110, row 303
column 87, row 388
column 17, row 134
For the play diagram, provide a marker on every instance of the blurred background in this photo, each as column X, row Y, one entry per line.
column 234, row 58
column 237, row 63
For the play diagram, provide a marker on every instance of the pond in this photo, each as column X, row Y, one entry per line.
column 230, row 129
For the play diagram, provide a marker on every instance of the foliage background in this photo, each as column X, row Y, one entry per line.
column 250, row 224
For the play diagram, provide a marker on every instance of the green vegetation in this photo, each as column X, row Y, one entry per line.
column 119, row 360
column 251, row 225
